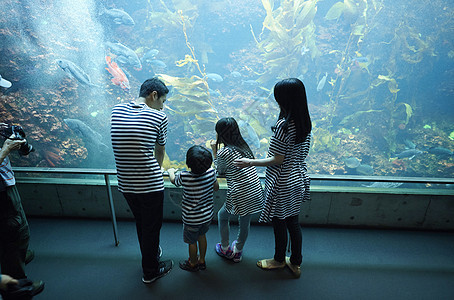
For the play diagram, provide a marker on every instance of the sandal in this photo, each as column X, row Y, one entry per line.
column 270, row 264
column 202, row 266
column 296, row 270
column 186, row 265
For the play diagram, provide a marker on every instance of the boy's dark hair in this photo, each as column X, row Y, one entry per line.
column 153, row 84
column 199, row 159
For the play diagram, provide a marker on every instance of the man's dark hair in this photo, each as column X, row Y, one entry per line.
column 153, row 84
column 199, row 159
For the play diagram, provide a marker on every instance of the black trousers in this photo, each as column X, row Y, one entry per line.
column 14, row 234
column 293, row 227
column 147, row 210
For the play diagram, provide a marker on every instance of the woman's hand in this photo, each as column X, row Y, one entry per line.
column 242, row 162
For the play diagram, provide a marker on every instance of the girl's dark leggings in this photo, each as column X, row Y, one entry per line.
column 281, row 226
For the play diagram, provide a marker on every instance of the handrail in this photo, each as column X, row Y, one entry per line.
column 86, row 171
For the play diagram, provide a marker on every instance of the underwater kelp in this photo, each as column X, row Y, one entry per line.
column 377, row 72
column 288, row 30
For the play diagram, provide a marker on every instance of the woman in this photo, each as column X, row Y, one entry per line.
column 286, row 181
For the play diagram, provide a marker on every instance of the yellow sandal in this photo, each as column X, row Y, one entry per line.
column 296, row 270
column 270, row 264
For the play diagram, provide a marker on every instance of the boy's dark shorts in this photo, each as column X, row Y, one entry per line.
column 191, row 233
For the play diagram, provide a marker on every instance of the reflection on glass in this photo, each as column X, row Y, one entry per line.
column 378, row 74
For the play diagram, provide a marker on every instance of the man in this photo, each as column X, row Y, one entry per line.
column 14, row 231
column 139, row 135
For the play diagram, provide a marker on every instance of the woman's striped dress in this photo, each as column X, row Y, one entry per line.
column 286, row 185
column 244, row 191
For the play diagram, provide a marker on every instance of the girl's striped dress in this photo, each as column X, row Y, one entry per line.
column 244, row 192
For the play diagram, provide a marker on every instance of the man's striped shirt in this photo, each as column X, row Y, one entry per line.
column 135, row 129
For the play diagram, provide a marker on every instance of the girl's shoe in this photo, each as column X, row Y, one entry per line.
column 223, row 253
column 238, row 256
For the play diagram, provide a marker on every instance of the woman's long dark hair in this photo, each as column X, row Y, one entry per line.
column 290, row 94
column 229, row 135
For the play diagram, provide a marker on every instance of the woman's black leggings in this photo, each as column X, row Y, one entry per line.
column 280, row 239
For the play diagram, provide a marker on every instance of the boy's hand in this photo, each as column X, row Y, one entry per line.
column 213, row 145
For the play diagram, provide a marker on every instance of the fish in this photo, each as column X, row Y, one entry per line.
column 304, row 50
column 410, row 153
column 321, row 83
column 125, row 55
column 440, row 151
column 119, row 77
column 118, row 16
column 409, row 144
column 157, row 63
column 361, row 59
column 249, row 134
column 75, row 71
column 89, row 136
column 365, row 170
column 352, row 162
column 150, row 55
column 235, row 74
column 214, row 77
column 384, row 185
column 250, row 82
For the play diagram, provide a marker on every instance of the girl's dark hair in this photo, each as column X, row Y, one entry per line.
column 229, row 135
column 199, row 159
column 153, row 84
column 290, row 94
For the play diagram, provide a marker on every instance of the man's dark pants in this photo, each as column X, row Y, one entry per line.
column 147, row 209
column 14, row 234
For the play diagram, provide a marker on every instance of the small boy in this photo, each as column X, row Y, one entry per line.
column 197, row 204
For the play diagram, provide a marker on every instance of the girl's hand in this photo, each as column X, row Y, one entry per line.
column 242, row 162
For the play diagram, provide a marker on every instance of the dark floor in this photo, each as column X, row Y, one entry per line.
column 77, row 259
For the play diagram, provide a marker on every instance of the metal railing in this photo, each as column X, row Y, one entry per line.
column 108, row 172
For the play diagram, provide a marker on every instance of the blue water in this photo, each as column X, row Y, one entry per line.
column 389, row 69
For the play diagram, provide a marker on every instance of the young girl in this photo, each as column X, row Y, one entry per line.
column 244, row 191
column 286, row 182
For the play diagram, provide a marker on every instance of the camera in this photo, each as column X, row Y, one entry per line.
column 14, row 132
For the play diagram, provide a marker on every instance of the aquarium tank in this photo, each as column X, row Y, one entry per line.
column 379, row 76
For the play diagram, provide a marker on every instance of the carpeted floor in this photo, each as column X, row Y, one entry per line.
column 77, row 259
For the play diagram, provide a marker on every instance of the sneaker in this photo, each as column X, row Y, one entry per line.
column 186, row 265
column 164, row 269
column 227, row 253
column 29, row 256
column 236, row 257
column 24, row 289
